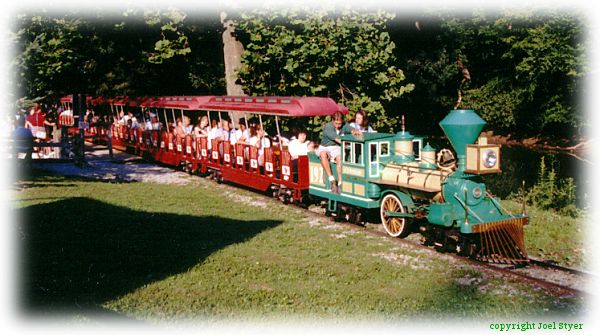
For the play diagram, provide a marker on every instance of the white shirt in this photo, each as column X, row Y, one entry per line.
column 214, row 133
column 228, row 135
column 124, row 119
column 265, row 143
column 238, row 134
column 296, row 148
column 364, row 130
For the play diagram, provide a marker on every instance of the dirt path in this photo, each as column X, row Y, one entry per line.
column 122, row 167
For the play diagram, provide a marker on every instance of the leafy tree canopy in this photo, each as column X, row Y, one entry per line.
column 136, row 52
column 526, row 68
column 347, row 56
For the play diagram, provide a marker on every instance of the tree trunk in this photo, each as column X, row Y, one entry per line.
column 232, row 52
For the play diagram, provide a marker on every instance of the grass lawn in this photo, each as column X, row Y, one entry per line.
column 161, row 252
column 553, row 236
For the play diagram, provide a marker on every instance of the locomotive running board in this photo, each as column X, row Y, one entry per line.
column 502, row 241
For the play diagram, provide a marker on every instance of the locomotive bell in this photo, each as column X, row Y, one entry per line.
column 462, row 127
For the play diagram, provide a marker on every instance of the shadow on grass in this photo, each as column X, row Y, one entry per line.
column 74, row 261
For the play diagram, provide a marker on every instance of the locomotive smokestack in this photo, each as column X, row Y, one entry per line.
column 462, row 127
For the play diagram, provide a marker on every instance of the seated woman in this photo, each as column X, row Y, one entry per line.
column 361, row 122
column 299, row 145
column 201, row 128
column 260, row 140
column 240, row 135
column 214, row 132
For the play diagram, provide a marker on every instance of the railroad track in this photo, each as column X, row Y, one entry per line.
column 560, row 280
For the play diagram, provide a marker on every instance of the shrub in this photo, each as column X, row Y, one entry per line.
column 551, row 192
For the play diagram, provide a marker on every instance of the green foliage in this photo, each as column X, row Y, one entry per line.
column 174, row 41
column 526, row 68
column 347, row 56
column 135, row 53
column 496, row 103
column 553, row 193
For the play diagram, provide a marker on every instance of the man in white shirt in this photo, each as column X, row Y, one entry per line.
column 227, row 133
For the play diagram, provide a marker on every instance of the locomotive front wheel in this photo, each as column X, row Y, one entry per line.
column 394, row 226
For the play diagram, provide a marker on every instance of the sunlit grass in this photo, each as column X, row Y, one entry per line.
column 162, row 252
column 552, row 236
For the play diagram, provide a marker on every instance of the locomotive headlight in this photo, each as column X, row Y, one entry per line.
column 489, row 159
column 476, row 192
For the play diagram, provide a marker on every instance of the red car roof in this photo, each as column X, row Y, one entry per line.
column 178, row 102
column 88, row 99
column 270, row 105
column 284, row 106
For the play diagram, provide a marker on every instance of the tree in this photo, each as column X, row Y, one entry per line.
column 135, row 53
column 347, row 56
column 526, row 68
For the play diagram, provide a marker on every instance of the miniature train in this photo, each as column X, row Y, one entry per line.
column 413, row 187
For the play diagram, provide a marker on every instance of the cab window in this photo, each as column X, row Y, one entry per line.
column 347, row 152
column 384, row 149
column 373, row 160
column 353, row 153
column 358, row 153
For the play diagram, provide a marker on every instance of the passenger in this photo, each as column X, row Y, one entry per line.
column 216, row 130
column 154, row 123
column 299, row 145
column 284, row 140
column 148, row 124
column 134, row 121
column 253, row 139
column 241, row 135
column 36, row 121
column 361, row 122
column 260, row 139
column 187, row 126
column 146, row 114
column 329, row 149
column 227, row 132
column 179, row 130
column 89, row 115
column 201, row 128
column 213, row 132
column 23, row 140
column 123, row 118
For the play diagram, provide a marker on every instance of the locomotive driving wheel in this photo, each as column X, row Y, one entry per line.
column 393, row 225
